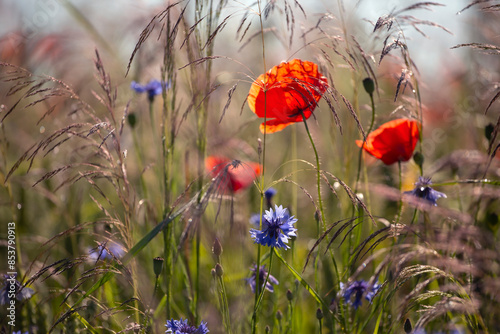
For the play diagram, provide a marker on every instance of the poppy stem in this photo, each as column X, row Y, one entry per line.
column 400, row 204
column 318, row 170
column 364, row 142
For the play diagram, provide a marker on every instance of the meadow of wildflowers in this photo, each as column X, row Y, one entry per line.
column 250, row 167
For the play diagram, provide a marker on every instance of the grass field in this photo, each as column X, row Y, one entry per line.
column 156, row 157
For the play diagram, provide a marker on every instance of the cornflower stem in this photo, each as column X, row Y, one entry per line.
column 167, row 254
column 258, row 287
column 257, row 280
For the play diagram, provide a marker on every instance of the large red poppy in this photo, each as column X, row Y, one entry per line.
column 232, row 175
column 393, row 141
column 286, row 92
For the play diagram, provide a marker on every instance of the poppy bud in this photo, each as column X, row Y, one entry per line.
column 369, row 85
column 132, row 120
column 488, row 131
column 419, row 159
column 157, row 265
column 408, row 327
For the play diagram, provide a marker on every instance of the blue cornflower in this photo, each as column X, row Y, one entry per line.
column 424, row 191
column 359, row 289
column 255, row 220
column 182, row 327
column 21, row 293
column 153, row 88
column 252, row 280
column 269, row 194
column 106, row 252
column 277, row 228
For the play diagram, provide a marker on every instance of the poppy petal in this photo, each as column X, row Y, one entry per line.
column 393, row 141
column 274, row 125
column 232, row 175
column 287, row 92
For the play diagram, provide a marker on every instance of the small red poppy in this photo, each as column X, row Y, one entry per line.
column 393, row 141
column 232, row 175
column 285, row 92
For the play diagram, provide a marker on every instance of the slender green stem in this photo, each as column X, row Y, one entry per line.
column 257, row 279
column 400, row 203
column 364, row 141
column 223, row 299
column 318, row 173
column 262, row 288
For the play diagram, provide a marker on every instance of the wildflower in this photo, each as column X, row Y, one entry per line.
column 423, row 190
column 13, row 287
column 106, row 252
column 393, row 141
column 262, row 277
column 232, row 175
column 255, row 220
column 153, row 88
column 269, row 194
column 277, row 228
column 359, row 289
column 285, row 93
column 182, row 327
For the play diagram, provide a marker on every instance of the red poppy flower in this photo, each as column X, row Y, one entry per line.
column 285, row 92
column 393, row 141
column 232, row 175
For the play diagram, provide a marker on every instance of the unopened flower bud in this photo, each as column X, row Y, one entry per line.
column 157, row 266
column 289, row 295
column 407, row 326
column 279, row 315
column 217, row 247
column 319, row 314
column 418, row 158
column 369, row 85
column 218, row 270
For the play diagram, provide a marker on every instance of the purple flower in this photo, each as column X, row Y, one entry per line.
column 182, row 327
column 277, row 228
column 11, row 285
column 424, row 191
column 153, row 88
column 358, row 289
column 269, row 194
column 252, row 280
column 106, row 251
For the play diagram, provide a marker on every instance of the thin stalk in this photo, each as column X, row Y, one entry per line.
column 262, row 288
column 364, row 141
column 400, row 203
column 224, row 304
column 257, row 278
column 318, row 172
